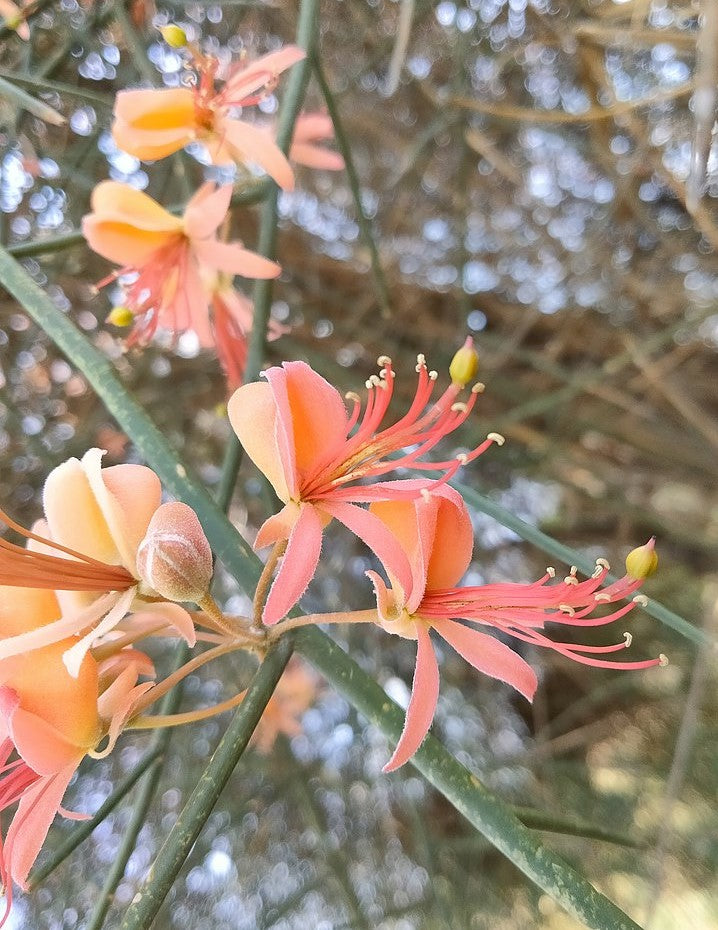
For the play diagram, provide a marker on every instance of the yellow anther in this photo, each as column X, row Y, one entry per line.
column 121, row 316
column 174, row 35
column 13, row 22
column 464, row 364
column 497, row 438
column 642, row 562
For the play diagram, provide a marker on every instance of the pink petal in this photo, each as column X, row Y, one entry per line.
column 32, row 820
column 313, row 127
column 252, row 411
column 43, row 747
column 278, row 526
column 424, row 695
column 206, row 210
column 249, row 143
column 255, row 75
column 298, row 566
column 385, row 609
column 377, row 537
column 232, row 258
column 489, row 655
column 173, row 615
column 313, row 156
column 313, row 411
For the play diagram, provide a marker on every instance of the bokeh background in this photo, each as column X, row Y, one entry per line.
column 536, row 174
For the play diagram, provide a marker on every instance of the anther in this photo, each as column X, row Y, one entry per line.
column 478, row 388
column 421, row 360
column 350, row 395
column 597, row 572
column 497, row 438
column 433, row 375
column 570, row 579
column 641, row 600
column 550, row 571
column 629, row 639
column 567, row 609
column 462, row 457
column 458, row 407
column 663, row 660
column 602, row 596
column 604, row 564
column 368, row 384
column 383, row 360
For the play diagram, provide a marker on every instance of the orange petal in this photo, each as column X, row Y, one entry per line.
column 150, row 146
column 206, row 210
column 156, row 109
column 23, row 609
column 232, row 258
column 252, row 412
column 252, row 144
column 452, row 543
column 125, row 204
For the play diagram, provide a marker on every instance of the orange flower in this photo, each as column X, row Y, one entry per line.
column 152, row 124
column 169, row 254
column 295, row 693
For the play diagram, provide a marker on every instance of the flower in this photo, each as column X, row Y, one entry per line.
column 297, row 431
column 295, row 693
column 51, row 720
column 310, row 129
column 151, row 124
column 169, row 254
column 231, row 322
column 84, row 557
column 436, row 534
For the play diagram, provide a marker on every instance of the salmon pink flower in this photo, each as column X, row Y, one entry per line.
column 84, row 556
column 231, row 322
column 170, row 255
column 295, row 694
column 436, row 534
column 297, row 431
column 50, row 720
column 151, row 124
column 310, row 129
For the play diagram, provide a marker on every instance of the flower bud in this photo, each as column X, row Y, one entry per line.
column 464, row 364
column 174, row 35
column 174, row 558
column 121, row 316
column 642, row 562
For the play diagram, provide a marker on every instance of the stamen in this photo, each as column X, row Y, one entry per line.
column 478, row 388
column 433, row 375
column 641, row 600
column 550, row 571
column 497, row 438
column 462, row 457
column 604, row 564
column 458, row 407
column 663, row 660
column 629, row 639
column 571, row 579
column 350, row 395
column 601, row 596
column 567, row 609
column 383, row 360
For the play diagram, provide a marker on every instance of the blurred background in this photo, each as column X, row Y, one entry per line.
column 536, row 174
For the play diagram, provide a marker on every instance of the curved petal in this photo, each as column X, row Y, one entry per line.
column 233, row 258
column 42, row 747
column 151, row 146
column 385, row 609
column 453, row 541
column 251, row 144
column 489, row 655
column 424, row 695
column 314, row 156
column 206, row 210
column 249, row 78
column 35, row 813
column 74, row 515
column 378, row 538
column 313, row 127
column 23, row 609
column 298, row 566
column 156, row 109
column 128, row 496
column 112, row 200
column 278, row 526
column 122, row 243
column 252, row 411
column 319, row 420
column 172, row 614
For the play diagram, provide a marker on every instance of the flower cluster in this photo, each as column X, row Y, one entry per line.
column 176, row 271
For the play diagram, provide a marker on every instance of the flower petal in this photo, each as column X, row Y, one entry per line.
column 278, row 526
column 156, row 109
column 74, row 656
column 370, row 529
column 248, row 78
column 252, row 144
column 298, row 566
column 252, row 411
column 424, row 695
column 489, row 655
column 206, row 210
column 233, row 258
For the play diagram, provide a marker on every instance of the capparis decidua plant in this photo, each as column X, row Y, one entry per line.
column 123, row 558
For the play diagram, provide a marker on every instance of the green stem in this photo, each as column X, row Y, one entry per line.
column 464, row 791
column 380, row 285
column 193, row 817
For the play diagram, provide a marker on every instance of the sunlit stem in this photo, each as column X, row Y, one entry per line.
column 216, row 617
column 265, row 579
column 355, row 616
column 175, row 720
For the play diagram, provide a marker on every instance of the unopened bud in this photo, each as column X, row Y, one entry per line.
column 174, row 558
column 121, row 316
column 174, row 35
column 464, row 364
column 642, row 562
